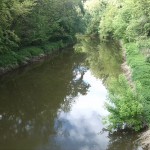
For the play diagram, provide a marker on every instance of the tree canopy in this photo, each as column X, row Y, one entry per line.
column 31, row 22
column 127, row 21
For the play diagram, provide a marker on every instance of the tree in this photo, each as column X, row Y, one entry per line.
column 10, row 10
column 125, row 105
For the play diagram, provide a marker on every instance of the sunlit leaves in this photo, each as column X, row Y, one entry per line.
column 125, row 105
column 37, row 21
column 23, row 7
column 9, row 11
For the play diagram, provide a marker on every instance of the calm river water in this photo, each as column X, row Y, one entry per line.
column 59, row 104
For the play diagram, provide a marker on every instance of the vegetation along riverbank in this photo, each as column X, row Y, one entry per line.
column 25, row 56
column 30, row 29
column 128, row 21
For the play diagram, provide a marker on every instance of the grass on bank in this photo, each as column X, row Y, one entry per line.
column 140, row 73
column 124, row 105
column 131, row 106
column 12, row 58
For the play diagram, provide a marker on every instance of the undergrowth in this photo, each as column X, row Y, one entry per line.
column 141, row 73
column 11, row 58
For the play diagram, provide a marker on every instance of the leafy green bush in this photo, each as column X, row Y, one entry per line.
column 141, row 73
column 25, row 53
column 143, row 43
column 8, row 59
column 51, row 47
column 148, row 59
column 13, row 58
column 34, row 51
column 125, row 105
column 48, row 48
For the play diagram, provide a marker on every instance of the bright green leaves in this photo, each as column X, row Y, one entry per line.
column 52, row 20
column 129, row 21
column 10, row 10
column 105, row 27
column 126, row 19
column 141, row 73
column 93, row 15
column 32, row 22
column 21, row 8
column 125, row 105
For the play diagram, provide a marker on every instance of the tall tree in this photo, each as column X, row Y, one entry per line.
column 10, row 10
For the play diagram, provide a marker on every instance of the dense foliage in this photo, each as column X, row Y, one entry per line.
column 33, row 27
column 98, row 54
column 10, row 11
column 30, row 28
column 125, row 19
column 125, row 105
column 33, row 22
column 129, row 21
column 140, row 73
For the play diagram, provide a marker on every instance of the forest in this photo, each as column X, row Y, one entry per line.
column 31, row 28
column 34, row 27
column 128, row 22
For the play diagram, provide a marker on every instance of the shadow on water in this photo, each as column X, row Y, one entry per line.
column 30, row 99
column 59, row 104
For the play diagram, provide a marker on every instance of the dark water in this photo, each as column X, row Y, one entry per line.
column 59, row 104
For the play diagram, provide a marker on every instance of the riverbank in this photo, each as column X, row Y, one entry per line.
column 125, row 67
column 137, row 71
column 144, row 140
column 15, row 59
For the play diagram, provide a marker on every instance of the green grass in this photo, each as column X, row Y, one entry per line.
column 12, row 59
column 34, row 51
column 50, row 47
column 125, row 105
column 131, row 105
column 8, row 59
column 140, row 73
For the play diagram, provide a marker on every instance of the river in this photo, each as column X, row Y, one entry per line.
column 58, row 104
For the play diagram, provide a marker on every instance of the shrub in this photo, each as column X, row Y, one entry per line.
column 51, row 47
column 13, row 58
column 34, row 51
column 25, row 53
column 125, row 105
column 48, row 48
column 8, row 59
column 141, row 73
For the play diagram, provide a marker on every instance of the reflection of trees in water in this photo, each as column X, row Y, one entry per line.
column 76, row 86
column 30, row 101
column 104, row 59
column 122, row 141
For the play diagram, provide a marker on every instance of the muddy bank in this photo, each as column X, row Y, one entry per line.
column 125, row 67
column 144, row 140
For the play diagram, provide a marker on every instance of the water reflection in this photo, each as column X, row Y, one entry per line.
column 56, row 105
column 29, row 101
column 103, row 59
column 79, row 128
column 124, row 141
